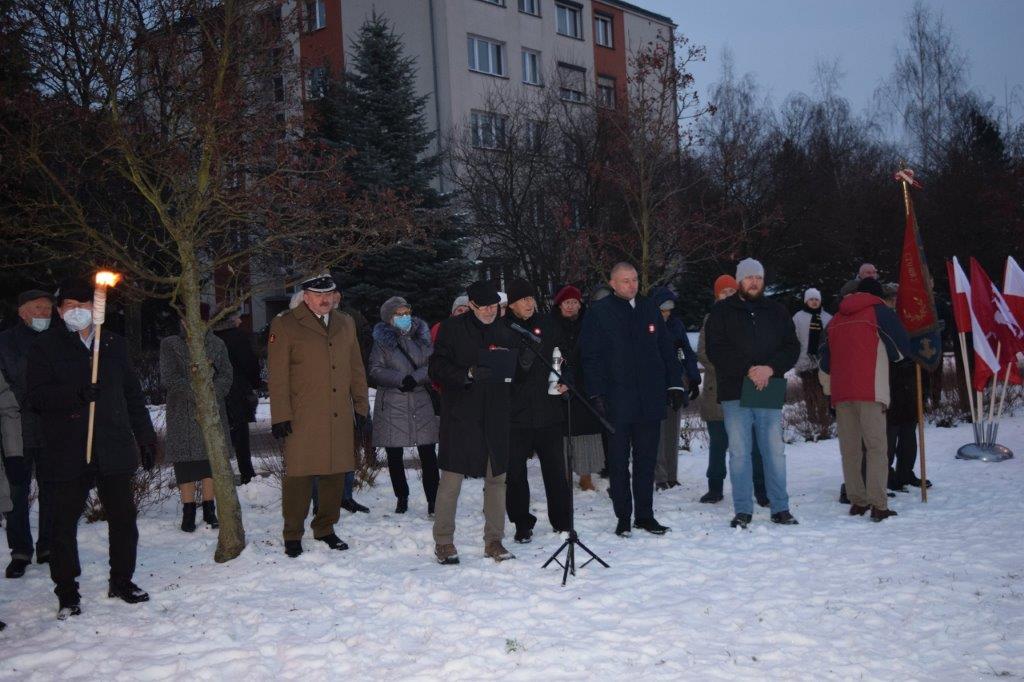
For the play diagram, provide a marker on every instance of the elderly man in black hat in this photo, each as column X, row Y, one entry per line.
column 318, row 398
column 59, row 388
column 35, row 309
column 471, row 362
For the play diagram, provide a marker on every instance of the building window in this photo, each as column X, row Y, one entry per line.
column 316, row 15
column 530, row 7
column 606, row 92
column 569, row 21
column 486, row 56
column 488, row 130
column 572, row 82
column 316, row 82
column 603, row 30
column 531, row 67
column 533, row 132
column 499, row 3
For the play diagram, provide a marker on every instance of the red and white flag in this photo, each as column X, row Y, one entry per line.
column 960, row 295
column 998, row 327
column 1013, row 288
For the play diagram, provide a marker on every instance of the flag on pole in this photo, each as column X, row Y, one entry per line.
column 1013, row 288
column 993, row 334
column 959, row 295
column 915, row 301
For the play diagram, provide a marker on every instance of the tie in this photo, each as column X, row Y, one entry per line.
column 326, row 320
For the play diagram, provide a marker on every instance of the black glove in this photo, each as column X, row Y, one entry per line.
column 281, row 429
column 408, row 384
column 364, row 425
column 676, row 399
column 694, row 392
column 598, row 402
column 147, row 454
column 88, row 394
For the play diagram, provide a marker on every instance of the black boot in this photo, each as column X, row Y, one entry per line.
column 16, row 568
column 127, row 591
column 188, row 517
column 741, row 520
column 624, row 528
column 402, row 506
column 334, row 542
column 524, row 530
column 293, row 548
column 843, row 499
column 210, row 514
column 651, row 525
column 70, row 603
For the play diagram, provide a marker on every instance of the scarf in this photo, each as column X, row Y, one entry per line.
column 814, row 331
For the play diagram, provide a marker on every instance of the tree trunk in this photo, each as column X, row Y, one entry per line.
column 231, row 537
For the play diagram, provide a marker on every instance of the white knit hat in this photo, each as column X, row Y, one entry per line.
column 812, row 293
column 748, row 267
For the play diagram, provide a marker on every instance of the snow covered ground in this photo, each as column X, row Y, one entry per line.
column 934, row 594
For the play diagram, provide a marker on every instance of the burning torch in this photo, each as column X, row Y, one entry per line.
column 99, row 313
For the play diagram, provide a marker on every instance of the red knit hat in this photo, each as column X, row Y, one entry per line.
column 723, row 282
column 567, row 292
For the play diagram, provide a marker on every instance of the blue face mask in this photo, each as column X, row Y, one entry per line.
column 403, row 322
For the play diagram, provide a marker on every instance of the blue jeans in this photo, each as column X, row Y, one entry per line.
column 741, row 424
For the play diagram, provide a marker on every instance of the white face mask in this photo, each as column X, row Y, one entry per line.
column 40, row 324
column 77, row 319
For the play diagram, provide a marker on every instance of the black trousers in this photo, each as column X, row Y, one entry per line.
column 240, row 442
column 68, row 500
column 547, row 443
column 902, row 449
column 428, row 462
column 639, row 439
column 19, row 532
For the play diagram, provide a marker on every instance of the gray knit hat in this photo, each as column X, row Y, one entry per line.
column 748, row 267
column 461, row 300
column 387, row 310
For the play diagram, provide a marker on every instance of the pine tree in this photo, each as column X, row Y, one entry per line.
column 374, row 112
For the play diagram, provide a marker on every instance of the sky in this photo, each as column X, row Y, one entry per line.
column 779, row 42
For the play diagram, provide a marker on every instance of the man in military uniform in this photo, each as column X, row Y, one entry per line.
column 318, row 396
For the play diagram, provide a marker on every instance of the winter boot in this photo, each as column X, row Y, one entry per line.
column 351, row 506
column 210, row 514
column 652, row 526
column 587, row 482
column 334, row 542
column 446, row 554
column 188, row 517
column 623, row 528
column 741, row 521
column 784, row 518
column 857, row 510
column 881, row 514
column 495, row 550
column 292, row 548
column 524, row 530
column 402, row 506
column 70, row 604
column 16, row 568
column 127, row 591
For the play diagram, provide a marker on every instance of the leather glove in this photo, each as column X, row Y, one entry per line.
column 147, row 455
column 364, row 425
column 89, row 393
column 676, row 399
column 408, row 384
column 281, row 429
column 694, row 392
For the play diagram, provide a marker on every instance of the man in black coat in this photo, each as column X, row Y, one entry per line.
column 537, row 419
column 632, row 375
column 35, row 310
column 241, row 399
column 475, row 411
column 749, row 337
column 59, row 386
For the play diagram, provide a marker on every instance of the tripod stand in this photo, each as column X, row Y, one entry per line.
column 568, row 565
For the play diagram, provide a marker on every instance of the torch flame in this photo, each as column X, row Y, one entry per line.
column 107, row 279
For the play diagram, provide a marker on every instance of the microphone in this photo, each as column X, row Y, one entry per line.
column 524, row 332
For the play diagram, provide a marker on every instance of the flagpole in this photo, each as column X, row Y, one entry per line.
column 1002, row 400
column 967, row 385
column 917, row 367
column 992, row 395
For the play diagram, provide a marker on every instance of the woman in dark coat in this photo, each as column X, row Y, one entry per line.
column 184, row 445
column 585, row 434
column 403, row 412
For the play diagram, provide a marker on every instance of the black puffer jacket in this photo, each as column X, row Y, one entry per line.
column 532, row 407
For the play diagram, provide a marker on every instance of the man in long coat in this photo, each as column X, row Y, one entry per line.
column 318, row 396
column 475, row 411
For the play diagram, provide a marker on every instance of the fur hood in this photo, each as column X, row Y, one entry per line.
column 387, row 334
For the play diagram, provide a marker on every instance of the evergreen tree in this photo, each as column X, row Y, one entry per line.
column 373, row 111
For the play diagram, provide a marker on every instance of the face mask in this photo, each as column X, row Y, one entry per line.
column 40, row 324
column 77, row 319
column 403, row 322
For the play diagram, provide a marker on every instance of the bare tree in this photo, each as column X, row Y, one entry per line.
column 157, row 147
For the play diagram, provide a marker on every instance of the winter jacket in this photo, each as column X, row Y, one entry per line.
column 802, row 323
column 14, row 345
column 532, row 407
column 402, row 419
column 710, row 409
column 246, row 379
column 475, row 416
column 10, row 420
column 629, row 359
column 903, row 392
column 318, row 383
column 680, row 340
column 59, row 369
column 863, row 338
column 183, row 441
column 743, row 334
column 579, row 419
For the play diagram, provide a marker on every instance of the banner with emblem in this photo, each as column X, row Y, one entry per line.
column 915, row 301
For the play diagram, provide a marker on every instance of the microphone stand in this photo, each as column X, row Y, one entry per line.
column 571, row 542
